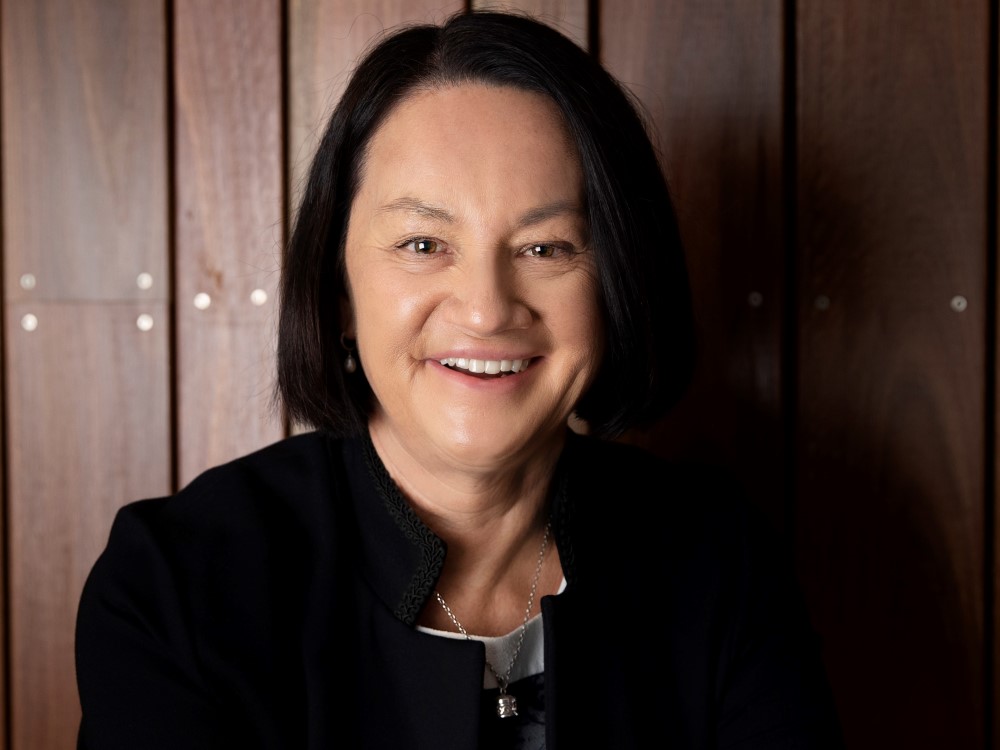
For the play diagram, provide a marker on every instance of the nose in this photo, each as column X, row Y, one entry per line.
column 488, row 298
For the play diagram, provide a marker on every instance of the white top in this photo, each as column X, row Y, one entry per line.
column 499, row 649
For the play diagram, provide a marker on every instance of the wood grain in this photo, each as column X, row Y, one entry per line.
column 325, row 39
column 88, row 421
column 84, row 145
column 569, row 16
column 87, row 405
column 892, row 176
column 709, row 75
column 230, row 200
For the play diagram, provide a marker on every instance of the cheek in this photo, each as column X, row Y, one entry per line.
column 390, row 310
column 576, row 325
column 588, row 332
column 582, row 320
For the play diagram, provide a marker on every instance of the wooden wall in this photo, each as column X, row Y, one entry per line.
column 835, row 170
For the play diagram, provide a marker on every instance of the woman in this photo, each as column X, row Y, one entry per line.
column 485, row 248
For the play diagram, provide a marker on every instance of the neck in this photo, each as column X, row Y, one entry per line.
column 492, row 521
column 468, row 501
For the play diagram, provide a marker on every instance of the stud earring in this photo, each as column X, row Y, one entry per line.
column 350, row 363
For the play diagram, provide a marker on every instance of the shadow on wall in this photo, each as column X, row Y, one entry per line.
column 892, row 589
column 879, row 500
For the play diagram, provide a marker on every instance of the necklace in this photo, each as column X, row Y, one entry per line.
column 506, row 703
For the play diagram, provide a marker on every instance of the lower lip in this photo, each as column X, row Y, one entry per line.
column 503, row 384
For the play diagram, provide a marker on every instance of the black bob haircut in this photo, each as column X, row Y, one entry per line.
column 643, row 284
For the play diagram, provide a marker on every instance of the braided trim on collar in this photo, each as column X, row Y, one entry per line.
column 432, row 549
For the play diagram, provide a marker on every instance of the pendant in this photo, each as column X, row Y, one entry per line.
column 506, row 706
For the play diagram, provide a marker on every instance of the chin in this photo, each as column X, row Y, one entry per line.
column 478, row 450
column 487, row 448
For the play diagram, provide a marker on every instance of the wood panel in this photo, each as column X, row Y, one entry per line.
column 993, row 534
column 891, row 192
column 84, row 148
column 4, row 594
column 569, row 16
column 709, row 75
column 87, row 398
column 325, row 39
column 230, row 200
column 89, row 431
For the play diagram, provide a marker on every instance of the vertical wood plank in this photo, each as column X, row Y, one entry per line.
column 569, row 16
column 891, row 193
column 229, row 177
column 709, row 75
column 83, row 145
column 325, row 39
column 84, row 191
column 4, row 592
column 992, row 512
column 88, row 399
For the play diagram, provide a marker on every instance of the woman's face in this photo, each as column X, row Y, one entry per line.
column 473, row 292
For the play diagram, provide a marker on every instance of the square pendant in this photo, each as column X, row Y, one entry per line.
column 506, row 706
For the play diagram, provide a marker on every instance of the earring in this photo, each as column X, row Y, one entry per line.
column 350, row 364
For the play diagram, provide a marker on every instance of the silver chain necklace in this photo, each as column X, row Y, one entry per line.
column 507, row 704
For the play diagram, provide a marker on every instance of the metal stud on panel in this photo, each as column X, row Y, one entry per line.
column 202, row 301
column 29, row 322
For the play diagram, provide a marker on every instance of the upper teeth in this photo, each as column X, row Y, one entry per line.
column 488, row 366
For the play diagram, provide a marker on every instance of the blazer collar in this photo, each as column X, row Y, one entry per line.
column 400, row 557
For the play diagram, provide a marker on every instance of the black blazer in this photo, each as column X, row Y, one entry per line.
column 271, row 604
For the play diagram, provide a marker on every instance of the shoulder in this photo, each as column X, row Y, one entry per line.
column 196, row 596
column 644, row 491
column 287, row 478
column 667, row 525
column 285, row 469
column 635, row 466
column 238, row 541
column 233, row 521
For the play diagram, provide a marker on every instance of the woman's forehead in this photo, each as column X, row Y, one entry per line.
column 472, row 141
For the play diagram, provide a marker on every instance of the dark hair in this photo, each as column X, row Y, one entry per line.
column 649, row 353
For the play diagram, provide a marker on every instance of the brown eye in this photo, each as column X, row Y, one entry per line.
column 541, row 251
column 423, row 247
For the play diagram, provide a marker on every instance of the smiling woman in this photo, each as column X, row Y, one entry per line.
column 485, row 248
column 468, row 243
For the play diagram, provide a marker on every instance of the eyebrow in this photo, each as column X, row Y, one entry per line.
column 529, row 218
column 414, row 206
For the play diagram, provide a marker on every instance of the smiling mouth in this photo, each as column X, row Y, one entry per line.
column 486, row 368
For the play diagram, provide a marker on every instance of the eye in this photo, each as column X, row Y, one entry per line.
column 422, row 246
column 541, row 251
